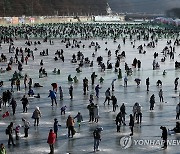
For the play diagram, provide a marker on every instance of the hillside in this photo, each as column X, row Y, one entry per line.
column 52, row 7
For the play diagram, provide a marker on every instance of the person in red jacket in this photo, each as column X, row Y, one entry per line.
column 51, row 140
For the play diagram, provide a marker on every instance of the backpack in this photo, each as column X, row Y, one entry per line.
column 7, row 131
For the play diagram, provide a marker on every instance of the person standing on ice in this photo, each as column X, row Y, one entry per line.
column 152, row 102
column 176, row 83
column 71, row 91
column 164, row 136
column 161, row 95
column 112, row 84
column 70, row 126
column 25, row 102
column 61, row 93
column 10, row 133
column 93, row 76
column 108, row 95
column 30, row 83
column 125, row 81
column 97, row 90
column 51, row 140
column 177, row 111
column 14, row 105
column 139, row 113
column 97, row 138
column 119, row 121
column 79, row 118
column 114, row 102
column 90, row 107
column 26, row 125
column 123, row 113
column 147, row 83
column 96, row 113
column 85, row 85
column 131, row 124
column 52, row 95
column 36, row 116
column 56, row 126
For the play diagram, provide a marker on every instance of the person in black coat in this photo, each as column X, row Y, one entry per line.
column 114, row 102
column 147, row 83
column 164, row 136
column 25, row 102
column 152, row 102
column 131, row 124
column 118, row 121
column 14, row 105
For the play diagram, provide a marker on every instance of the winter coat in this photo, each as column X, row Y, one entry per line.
column 24, row 101
column 10, row 129
column 52, row 94
column 177, row 108
column 96, row 112
column 138, row 109
column 164, row 133
column 107, row 93
column 147, row 81
column 79, row 117
column 56, row 126
column 70, row 122
column 13, row 103
column 36, row 114
column 119, row 118
column 26, row 124
column 114, row 100
column 90, row 107
column 51, row 138
column 123, row 109
column 131, row 123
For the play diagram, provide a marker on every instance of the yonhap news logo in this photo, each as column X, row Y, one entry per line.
column 128, row 141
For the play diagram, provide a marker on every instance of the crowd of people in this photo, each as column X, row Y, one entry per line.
column 16, row 59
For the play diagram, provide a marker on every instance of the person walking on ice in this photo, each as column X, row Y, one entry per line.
column 79, row 118
column 52, row 95
column 36, row 115
column 56, row 126
column 97, row 138
column 161, row 95
column 176, row 83
column 125, row 81
column 108, row 95
column 51, row 140
column 152, row 102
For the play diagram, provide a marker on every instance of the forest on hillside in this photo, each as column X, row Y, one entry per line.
column 52, row 7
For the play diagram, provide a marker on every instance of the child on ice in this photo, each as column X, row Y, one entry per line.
column 79, row 118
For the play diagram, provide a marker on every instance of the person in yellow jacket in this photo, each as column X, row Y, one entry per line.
column 2, row 149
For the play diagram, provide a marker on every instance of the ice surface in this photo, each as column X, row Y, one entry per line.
column 164, row 113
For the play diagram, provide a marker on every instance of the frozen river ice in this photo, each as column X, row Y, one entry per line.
column 163, row 114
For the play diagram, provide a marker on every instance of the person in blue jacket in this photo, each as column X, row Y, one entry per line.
column 56, row 126
column 52, row 94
